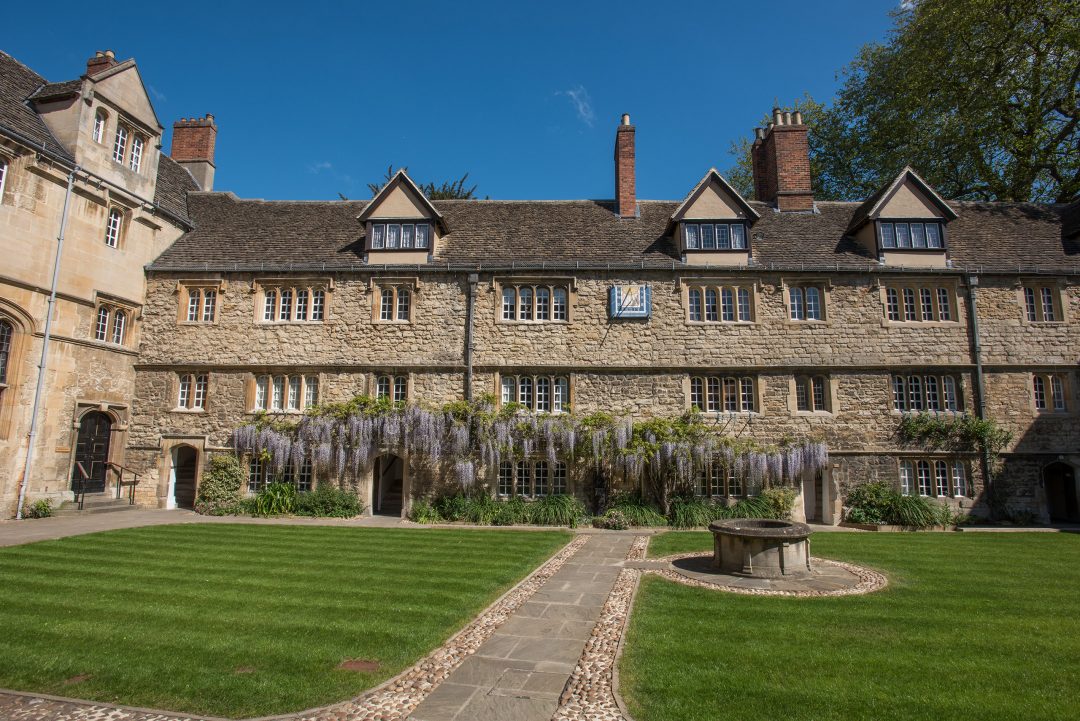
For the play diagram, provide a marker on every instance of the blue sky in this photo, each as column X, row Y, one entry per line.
column 316, row 99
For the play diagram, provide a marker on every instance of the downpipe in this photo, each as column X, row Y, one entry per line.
column 28, row 467
column 972, row 282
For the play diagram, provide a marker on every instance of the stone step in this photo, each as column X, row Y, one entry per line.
column 95, row 503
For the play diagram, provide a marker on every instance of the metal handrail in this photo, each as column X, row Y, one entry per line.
column 120, row 483
column 80, row 488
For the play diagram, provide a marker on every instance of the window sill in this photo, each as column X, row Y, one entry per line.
column 196, row 322
column 270, row 322
column 924, row 411
column 1044, row 323
column 188, row 410
column 809, row 323
column 813, row 414
column 503, row 321
column 391, row 322
column 276, row 412
column 721, row 323
column 730, row 414
column 920, row 323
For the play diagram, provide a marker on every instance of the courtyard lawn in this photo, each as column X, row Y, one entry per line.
column 973, row 625
column 243, row 620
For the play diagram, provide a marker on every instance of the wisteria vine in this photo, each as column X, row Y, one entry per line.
column 468, row 441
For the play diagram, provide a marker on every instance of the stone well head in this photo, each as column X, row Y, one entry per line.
column 761, row 547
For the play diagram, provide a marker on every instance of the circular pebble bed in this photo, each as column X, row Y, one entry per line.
column 831, row 578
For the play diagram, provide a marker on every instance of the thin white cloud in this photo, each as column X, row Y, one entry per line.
column 582, row 103
column 158, row 95
column 316, row 168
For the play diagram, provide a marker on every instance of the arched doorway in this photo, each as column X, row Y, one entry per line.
column 185, row 467
column 386, row 491
column 92, row 451
column 1059, row 480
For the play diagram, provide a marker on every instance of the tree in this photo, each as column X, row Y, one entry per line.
column 979, row 96
column 449, row 190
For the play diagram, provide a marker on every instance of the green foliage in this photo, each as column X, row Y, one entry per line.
column 690, row 512
column 41, row 508
column 879, row 503
column 612, row 520
column 219, row 489
column 979, row 96
column 448, row 190
column 636, row 510
column 424, row 512
column 453, row 508
column 953, row 433
column 557, row 510
column 276, row 499
column 780, row 500
column 328, row 501
column 481, row 509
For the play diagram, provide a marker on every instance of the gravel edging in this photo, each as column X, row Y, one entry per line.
column 869, row 580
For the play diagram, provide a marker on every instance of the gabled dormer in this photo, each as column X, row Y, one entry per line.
column 106, row 121
column 904, row 223
column 401, row 226
column 712, row 226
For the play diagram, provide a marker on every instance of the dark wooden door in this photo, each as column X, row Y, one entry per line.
column 1060, row 483
column 92, row 451
column 186, row 462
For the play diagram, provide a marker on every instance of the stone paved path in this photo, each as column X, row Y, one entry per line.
column 519, row 673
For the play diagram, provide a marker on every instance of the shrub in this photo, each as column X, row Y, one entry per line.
column 870, row 502
column 558, row 510
column 879, row 503
column 328, row 501
column 752, row 507
column 41, row 508
column 276, row 499
column 690, row 512
column 219, row 489
column 453, row 508
column 424, row 512
column 613, row 520
column 781, row 501
column 636, row 510
column 481, row 509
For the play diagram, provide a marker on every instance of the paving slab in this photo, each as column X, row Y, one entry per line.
column 520, row 672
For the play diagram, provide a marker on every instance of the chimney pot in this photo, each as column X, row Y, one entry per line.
column 110, row 54
column 780, row 160
column 99, row 54
column 101, row 62
column 625, row 190
column 193, row 142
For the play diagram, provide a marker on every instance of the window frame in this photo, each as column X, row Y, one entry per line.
column 100, row 127
column 695, row 228
column 799, row 313
column 912, row 481
column 523, row 478
column 377, row 235
column 905, row 298
column 558, row 388
column 1056, row 393
column 198, row 290
column 273, row 293
column 191, row 391
column 1040, row 289
column 707, row 298
column 5, row 170
column 262, row 387
column 558, row 293
column 944, row 385
column 722, row 391
column 807, row 384
column 718, row 475
column 114, row 232
column 398, row 386
column 379, row 287
column 879, row 235
column 103, row 325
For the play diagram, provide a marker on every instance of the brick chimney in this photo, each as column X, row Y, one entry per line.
column 625, row 194
column 780, row 158
column 101, row 62
column 193, row 147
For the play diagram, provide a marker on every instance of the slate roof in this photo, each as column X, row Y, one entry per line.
column 51, row 91
column 17, row 83
column 231, row 233
column 174, row 182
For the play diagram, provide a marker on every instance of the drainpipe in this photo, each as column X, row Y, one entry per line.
column 470, row 303
column 972, row 282
column 29, row 466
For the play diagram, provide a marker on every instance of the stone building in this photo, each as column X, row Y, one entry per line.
column 79, row 159
column 782, row 316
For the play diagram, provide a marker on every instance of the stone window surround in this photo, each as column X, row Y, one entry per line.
column 260, row 286
column 685, row 283
column 950, row 462
column 1058, row 288
column 706, row 373
column 922, row 373
column 124, row 215
column 373, row 383
column 259, row 476
column 113, row 304
column 568, row 402
column 114, row 115
column 950, row 284
column 183, row 290
column 831, row 395
column 534, row 281
column 23, row 328
column 516, row 483
column 823, row 284
column 376, row 284
column 706, row 480
column 251, row 384
column 1068, row 388
column 174, row 391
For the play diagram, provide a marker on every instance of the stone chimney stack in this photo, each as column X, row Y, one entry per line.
column 193, row 147
column 625, row 192
column 780, row 158
column 101, row 62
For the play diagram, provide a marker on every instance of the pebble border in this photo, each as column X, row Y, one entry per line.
column 869, row 581
column 393, row 700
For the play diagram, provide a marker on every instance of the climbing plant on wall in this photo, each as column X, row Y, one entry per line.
column 468, row 440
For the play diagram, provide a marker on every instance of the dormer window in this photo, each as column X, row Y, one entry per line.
column 714, row 236
column 910, row 234
column 400, row 236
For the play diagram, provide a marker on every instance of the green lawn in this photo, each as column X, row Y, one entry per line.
column 973, row 626
column 243, row 620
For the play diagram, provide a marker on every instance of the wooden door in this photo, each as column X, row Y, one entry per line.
column 92, row 451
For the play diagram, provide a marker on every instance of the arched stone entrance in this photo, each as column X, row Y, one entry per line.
column 92, row 451
column 1059, row 481
column 386, row 491
column 185, row 466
